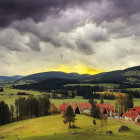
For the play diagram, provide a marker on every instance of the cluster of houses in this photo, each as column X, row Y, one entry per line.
column 85, row 108
column 106, row 108
column 133, row 114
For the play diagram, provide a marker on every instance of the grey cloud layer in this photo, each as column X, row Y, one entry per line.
column 96, row 32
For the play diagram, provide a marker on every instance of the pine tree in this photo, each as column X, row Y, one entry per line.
column 69, row 116
column 4, row 113
column 98, row 112
column 95, row 110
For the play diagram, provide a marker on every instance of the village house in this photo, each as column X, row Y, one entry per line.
column 81, row 108
column 85, row 108
column 133, row 114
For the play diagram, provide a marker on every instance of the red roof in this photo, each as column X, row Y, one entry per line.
column 133, row 113
column 102, row 106
column 63, row 106
column 81, row 105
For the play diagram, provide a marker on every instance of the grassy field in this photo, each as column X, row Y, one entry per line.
column 9, row 99
column 53, row 128
column 8, row 91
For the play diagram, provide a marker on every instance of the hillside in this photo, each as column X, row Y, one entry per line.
column 8, row 78
column 53, row 128
column 46, row 75
column 129, row 75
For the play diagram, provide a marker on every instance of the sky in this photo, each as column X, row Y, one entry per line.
column 83, row 36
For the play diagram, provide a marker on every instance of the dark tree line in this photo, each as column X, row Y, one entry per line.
column 129, row 85
column 32, row 107
column 82, row 88
column 24, row 108
column 85, row 92
column 135, row 93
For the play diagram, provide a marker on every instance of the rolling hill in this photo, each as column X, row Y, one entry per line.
column 46, row 75
column 129, row 75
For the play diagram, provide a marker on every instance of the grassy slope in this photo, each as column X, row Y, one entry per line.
column 44, row 128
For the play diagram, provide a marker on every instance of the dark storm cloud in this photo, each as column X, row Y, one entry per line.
column 124, row 8
column 128, row 7
column 11, row 10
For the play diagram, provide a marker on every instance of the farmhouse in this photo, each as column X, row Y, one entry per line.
column 86, row 108
column 133, row 114
column 81, row 107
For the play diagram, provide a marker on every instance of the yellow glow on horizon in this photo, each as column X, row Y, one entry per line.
column 80, row 68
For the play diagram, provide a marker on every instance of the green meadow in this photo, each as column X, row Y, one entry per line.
column 8, row 91
column 9, row 99
column 53, row 128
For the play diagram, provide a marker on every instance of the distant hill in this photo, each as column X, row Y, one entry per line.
column 129, row 75
column 12, row 78
column 46, row 75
